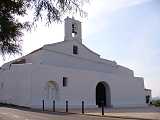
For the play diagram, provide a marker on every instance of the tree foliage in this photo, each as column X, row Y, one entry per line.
column 47, row 10
column 156, row 103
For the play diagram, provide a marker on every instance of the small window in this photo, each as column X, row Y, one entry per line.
column 65, row 81
column 75, row 49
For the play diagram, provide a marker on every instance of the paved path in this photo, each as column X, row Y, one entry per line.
column 16, row 114
column 151, row 113
column 148, row 113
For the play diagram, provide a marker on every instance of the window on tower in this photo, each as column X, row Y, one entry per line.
column 75, row 49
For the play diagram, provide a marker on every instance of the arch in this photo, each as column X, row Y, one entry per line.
column 51, row 89
column 103, row 94
column 52, row 84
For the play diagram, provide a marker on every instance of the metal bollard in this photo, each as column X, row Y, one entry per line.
column 102, row 105
column 82, row 107
column 43, row 104
column 66, row 106
column 54, row 108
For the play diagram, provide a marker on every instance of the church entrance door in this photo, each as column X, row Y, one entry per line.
column 103, row 94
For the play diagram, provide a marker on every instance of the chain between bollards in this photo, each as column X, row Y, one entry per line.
column 43, row 108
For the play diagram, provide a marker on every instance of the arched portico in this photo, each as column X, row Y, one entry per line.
column 51, row 89
column 103, row 94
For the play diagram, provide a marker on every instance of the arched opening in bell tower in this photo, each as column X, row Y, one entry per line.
column 74, row 30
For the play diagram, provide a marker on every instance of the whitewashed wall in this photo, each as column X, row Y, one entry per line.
column 25, row 84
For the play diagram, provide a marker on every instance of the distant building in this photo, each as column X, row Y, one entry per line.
column 148, row 94
column 68, row 70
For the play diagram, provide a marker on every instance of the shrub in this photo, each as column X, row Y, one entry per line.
column 156, row 103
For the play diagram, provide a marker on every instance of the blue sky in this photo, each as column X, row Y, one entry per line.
column 126, row 31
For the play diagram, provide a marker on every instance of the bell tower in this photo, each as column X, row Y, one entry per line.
column 73, row 30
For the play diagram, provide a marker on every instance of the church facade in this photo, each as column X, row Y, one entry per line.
column 68, row 70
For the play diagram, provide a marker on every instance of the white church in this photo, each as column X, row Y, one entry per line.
column 68, row 70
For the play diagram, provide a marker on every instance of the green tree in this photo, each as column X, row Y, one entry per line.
column 156, row 103
column 47, row 10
